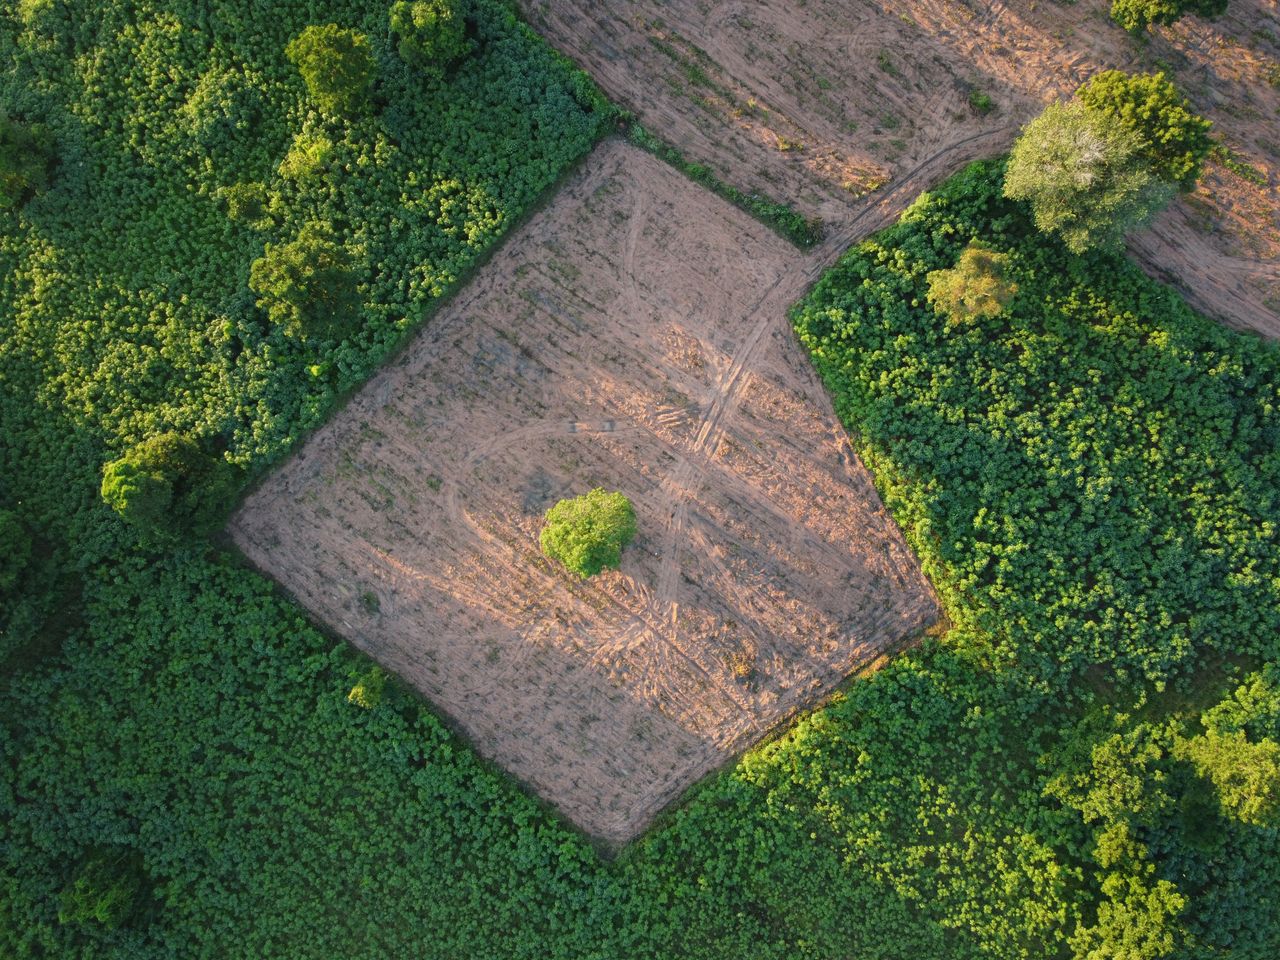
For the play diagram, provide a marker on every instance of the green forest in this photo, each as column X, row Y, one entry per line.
column 1084, row 764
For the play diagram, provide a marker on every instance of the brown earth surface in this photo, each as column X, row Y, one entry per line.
column 820, row 104
column 631, row 336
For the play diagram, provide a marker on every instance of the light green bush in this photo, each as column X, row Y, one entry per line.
column 587, row 533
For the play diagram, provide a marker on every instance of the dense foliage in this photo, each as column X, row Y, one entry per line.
column 1083, row 177
column 1173, row 141
column 1093, row 477
column 26, row 151
column 190, row 769
column 1137, row 15
column 587, row 533
column 187, row 145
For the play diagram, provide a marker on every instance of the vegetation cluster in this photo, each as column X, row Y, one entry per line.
column 247, row 209
column 1084, row 766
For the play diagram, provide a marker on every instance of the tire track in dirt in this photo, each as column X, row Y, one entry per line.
column 770, row 311
column 902, row 191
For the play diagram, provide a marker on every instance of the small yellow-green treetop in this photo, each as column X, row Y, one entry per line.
column 368, row 688
column 975, row 287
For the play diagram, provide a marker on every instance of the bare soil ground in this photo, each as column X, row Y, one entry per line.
column 821, row 104
column 632, row 336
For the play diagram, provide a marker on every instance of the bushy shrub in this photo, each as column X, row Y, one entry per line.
column 1172, row 140
column 368, row 688
column 308, row 285
column 336, row 64
column 1083, row 178
column 246, row 202
column 587, row 533
column 432, row 33
column 309, row 154
column 980, row 102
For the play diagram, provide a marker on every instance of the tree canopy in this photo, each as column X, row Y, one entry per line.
column 587, row 533
column 1172, row 140
column 337, row 65
column 1083, row 177
column 166, row 486
column 432, row 33
column 308, row 284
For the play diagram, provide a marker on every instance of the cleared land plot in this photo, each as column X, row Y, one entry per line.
column 631, row 336
column 822, row 103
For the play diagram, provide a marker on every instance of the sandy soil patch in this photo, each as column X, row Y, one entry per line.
column 631, row 336
column 823, row 103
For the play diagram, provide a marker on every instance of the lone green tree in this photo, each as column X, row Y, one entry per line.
column 336, row 64
column 308, row 284
column 26, row 152
column 1084, row 178
column 1172, row 139
column 586, row 534
column 166, row 486
column 1136, row 15
column 432, row 33
column 975, row 287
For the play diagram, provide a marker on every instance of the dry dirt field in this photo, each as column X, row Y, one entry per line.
column 632, row 336
column 822, row 103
